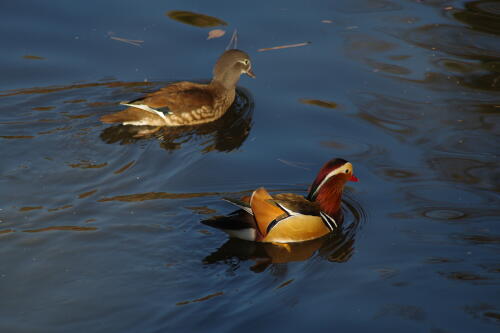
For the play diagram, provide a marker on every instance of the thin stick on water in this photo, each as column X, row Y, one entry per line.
column 134, row 42
column 233, row 40
column 283, row 46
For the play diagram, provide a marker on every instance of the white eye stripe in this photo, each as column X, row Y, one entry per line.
column 244, row 61
column 330, row 175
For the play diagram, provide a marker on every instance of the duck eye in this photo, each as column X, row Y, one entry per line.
column 346, row 170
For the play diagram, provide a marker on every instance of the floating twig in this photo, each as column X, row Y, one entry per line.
column 234, row 40
column 283, row 46
column 299, row 165
column 134, row 42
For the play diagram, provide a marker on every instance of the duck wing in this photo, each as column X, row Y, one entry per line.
column 296, row 204
column 180, row 97
column 136, row 115
column 243, row 204
column 256, row 213
column 282, row 218
column 175, row 98
column 265, row 211
column 303, row 221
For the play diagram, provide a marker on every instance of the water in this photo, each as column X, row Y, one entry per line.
column 100, row 226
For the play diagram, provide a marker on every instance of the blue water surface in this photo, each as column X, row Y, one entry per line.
column 100, row 227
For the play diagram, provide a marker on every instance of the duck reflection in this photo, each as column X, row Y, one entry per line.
column 483, row 15
column 332, row 247
column 225, row 134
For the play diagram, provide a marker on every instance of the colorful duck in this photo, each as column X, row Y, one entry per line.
column 288, row 217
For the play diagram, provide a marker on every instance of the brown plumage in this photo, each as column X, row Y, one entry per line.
column 289, row 217
column 188, row 103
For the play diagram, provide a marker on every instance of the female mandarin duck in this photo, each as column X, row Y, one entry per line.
column 287, row 217
column 189, row 103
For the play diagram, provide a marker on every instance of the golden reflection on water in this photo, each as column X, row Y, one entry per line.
column 201, row 299
column 202, row 210
column 55, row 130
column 33, row 57
column 198, row 20
column 59, row 208
column 284, row 284
column 165, row 195
column 16, row 136
column 320, row 103
column 86, row 194
column 124, row 168
column 79, row 116
column 48, row 90
column 88, row 165
column 334, row 248
column 62, row 228
column 156, row 196
column 43, row 108
column 74, row 101
column 30, row 208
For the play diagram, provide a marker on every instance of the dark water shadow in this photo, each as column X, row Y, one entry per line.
column 335, row 247
column 480, row 15
column 225, row 134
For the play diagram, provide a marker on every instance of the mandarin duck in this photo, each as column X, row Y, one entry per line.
column 288, row 217
column 188, row 103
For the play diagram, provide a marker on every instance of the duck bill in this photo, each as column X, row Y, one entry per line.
column 250, row 73
column 354, row 179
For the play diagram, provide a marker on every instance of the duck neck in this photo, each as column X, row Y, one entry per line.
column 227, row 80
column 329, row 199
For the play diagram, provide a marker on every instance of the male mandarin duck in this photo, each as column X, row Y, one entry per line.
column 288, row 217
column 189, row 103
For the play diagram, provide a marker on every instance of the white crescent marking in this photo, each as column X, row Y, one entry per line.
column 148, row 109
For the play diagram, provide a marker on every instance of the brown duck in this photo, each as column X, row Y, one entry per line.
column 289, row 217
column 188, row 103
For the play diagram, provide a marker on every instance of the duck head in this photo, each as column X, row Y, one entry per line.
column 329, row 184
column 230, row 65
